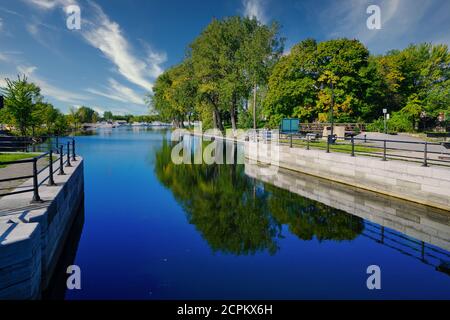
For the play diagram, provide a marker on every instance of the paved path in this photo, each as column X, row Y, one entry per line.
column 406, row 139
column 410, row 149
column 18, row 170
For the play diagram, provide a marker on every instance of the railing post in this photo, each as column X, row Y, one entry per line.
column 36, row 197
column 353, row 145
column 425, row 155
column 384, row 151
column 307, row 143
column 68, row 155
column 290, row 141
column 74, row 157
column 61, row 161
column 328, row 144
column 365, row 138
column 51, row 181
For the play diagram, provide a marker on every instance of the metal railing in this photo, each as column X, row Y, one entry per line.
column 425, row 253
column 386, row 149
column 54, row 165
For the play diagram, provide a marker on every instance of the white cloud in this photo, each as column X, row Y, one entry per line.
column 255, row 8
column 1, row 24
column 50, row 4
column 49, row 90
column 107, row 36
column 118, row 92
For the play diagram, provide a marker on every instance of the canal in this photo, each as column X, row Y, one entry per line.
column 155, row 230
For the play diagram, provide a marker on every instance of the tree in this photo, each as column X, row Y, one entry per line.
column 87, row 115
column 74, row 119
column 230, row 57
column 300, row 83
column 175, row 93
column 21, row 97
column 108, row 115
column 413, row 109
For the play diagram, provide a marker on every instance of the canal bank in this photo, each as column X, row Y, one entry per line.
column 401, row 179
column 423, row 223
column 32, row 235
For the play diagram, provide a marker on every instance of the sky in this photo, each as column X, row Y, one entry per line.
column 112, row 61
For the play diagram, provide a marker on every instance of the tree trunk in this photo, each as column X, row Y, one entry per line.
column 233, row 113
column 218, row 117
column 214, row 119
column 254, row 107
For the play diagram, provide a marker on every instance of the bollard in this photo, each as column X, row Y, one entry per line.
column 290, row 141
column 353, row 145
column 68, row 155
column 365, row 138
column 61, row 161
column 384, row 151
column 36, row 197
column 425, row 156
column 51, row 181
column 307, row 143
column 74, row 157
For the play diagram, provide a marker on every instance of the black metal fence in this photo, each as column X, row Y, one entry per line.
column 426, row 253
column 426, row 153
column 55, row 152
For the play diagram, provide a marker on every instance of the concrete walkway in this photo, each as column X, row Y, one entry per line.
column 18, row 170
column 410, row 149
column 401, row 137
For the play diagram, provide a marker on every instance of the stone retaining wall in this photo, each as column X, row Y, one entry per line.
column 32, row 236
column 406, row 180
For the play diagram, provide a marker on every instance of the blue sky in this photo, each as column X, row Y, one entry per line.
column 123, row 45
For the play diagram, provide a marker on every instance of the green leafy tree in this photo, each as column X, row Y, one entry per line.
column 108, row 116
column 21, row 97
column 413, row 109
column 230, row 57
column 300, row 85
column 175, row 94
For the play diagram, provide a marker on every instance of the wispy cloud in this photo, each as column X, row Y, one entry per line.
column 118, row 92
column 50, row 4
column 255, row 9
column 99, row 31
column 108, row 37
column 50, row 90
column 1, row 24
column 403, row 22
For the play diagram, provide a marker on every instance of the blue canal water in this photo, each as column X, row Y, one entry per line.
column 154, row 230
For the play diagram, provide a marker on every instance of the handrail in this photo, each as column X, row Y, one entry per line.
column 59, row 150
column 385, row 148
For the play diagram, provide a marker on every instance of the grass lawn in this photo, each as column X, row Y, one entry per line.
column 338, row 147
column 4, row 157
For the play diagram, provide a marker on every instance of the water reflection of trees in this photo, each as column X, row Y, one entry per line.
column 237, row 215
